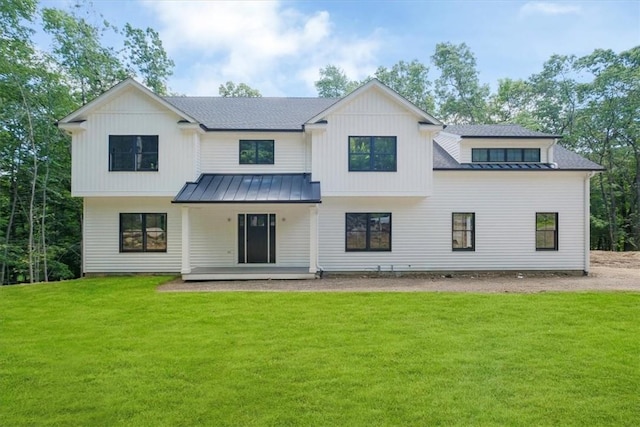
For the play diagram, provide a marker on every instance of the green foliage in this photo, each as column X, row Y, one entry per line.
column 461, row 98
column 409, row 79
column 114, row 351
column 241, row 90
column 144, row 52
column 334, row 83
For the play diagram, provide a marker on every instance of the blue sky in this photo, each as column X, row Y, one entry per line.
column 279, row 46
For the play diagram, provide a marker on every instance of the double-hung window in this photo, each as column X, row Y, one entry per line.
column 368, row 232
column 372, row 154
column 143, row 232
column 133, row 153
column 546, row 231
column 463, row 231
column 256, row 152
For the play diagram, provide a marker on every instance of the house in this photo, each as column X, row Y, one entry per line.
column 219, row 188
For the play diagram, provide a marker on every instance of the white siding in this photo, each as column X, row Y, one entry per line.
column 451, row 144
column 546, row 155
column 102, row 241
column 220, row 152
column 372, row 114
column 214, row 235
column 131, row 113
column 505, row 204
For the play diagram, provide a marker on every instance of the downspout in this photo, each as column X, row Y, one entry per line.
column 587, row 222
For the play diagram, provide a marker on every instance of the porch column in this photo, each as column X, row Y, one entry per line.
column 186, row 241
column 313, row 239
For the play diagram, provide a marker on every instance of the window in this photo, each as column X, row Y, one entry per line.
column 505, row 155
column 143, row 232
column 463, row 231
column 546, row 231
column 133, row 153
column 372, row 153
column 258, row 152
column 368, row 232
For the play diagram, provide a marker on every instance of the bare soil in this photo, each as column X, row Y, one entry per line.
column 610, row 271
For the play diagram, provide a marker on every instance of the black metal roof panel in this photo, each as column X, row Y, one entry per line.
column 496, row 131
column 507, row 166
column 228, row 114
column 243, row 188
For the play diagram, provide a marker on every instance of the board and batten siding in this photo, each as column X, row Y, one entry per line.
column 504, row 203
column 131, row 113
column 372, row 113
column 101, row 236
column 220, row 152
column 214, row 234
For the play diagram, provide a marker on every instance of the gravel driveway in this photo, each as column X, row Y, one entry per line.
column 609, row 272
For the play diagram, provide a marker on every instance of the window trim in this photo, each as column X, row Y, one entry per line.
column 372, row 153
column 473, row 231
column 367, row 232
column 555, row 231
column 256, row 151
column 505, row 155
column 134, row 153
column 144, row 233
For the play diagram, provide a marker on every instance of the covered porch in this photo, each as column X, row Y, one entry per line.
column 249, row 227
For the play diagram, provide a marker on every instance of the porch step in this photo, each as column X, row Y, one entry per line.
column 248, row 273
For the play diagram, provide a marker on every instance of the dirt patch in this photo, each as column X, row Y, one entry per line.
column 610, row 271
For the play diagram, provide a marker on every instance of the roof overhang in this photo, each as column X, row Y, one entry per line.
column 251, row 188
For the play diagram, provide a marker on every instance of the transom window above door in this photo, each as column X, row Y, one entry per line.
column 256, row 152
column 372, row 154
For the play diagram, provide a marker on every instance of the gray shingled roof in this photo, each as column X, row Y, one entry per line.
column 243, row 188
column 496, row 131
column 218, row 113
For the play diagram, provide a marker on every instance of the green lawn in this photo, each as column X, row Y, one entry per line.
column 116, row 352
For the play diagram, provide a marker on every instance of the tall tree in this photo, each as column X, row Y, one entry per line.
column 334, row 83
column 409, row 79
column 241, row 90
column 144, row 52
column 461, row 98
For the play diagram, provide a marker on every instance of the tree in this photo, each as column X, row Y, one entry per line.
column 334, row 83
column 409, row 79
column 242, row 90
column 512, row 103
column 144, row 52
column 461, row 98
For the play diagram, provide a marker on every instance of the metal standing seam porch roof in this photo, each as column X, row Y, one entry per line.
column 250, row 188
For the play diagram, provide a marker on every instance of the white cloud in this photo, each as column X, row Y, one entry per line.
column 257, row 42
column 548, row 8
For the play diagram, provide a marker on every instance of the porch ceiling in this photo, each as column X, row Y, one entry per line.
column 244, row 188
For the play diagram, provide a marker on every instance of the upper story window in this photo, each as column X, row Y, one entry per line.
column 372, row 153
column 256, row 152
column 505, row 155
column 133, row 153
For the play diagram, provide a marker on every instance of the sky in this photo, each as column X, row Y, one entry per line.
column 278, row 47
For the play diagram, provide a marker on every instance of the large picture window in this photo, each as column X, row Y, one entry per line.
column 133, row 153
column 546, row 231
column 463, row 231
column 143, row 232
column 505, row 155
column 372, row 153
column 256, row 152
column 368, row 232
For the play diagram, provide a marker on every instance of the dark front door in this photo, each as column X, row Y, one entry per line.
column 256, row 238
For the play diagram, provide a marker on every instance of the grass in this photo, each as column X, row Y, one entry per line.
column 113, row 351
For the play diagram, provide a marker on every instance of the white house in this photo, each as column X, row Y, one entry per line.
column 218, row 188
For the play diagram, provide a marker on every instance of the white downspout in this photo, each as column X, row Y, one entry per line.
column 587, row 222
